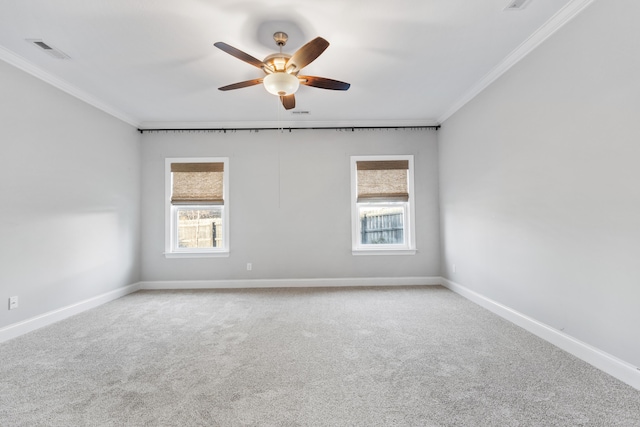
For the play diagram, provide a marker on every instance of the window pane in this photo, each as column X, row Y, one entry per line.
column 381, row 225
column 199, row 228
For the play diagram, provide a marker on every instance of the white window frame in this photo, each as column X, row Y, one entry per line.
column 409, row 246
column 171, row 249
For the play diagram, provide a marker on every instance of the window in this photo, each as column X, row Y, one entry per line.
column 382, row 205
column 197, row 200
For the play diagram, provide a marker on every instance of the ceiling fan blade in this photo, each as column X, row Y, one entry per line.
column 307, row 53
column 323, row 83
column 288, row 101
column 240, row 55
column 240, row 85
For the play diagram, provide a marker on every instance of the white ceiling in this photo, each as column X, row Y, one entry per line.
column 152, row 63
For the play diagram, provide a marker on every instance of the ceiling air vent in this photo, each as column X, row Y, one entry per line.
column 517, row 4
column 48, row 49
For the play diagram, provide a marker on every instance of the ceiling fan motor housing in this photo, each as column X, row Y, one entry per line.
column 277, row 61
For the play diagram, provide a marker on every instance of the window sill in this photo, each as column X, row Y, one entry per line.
column 359, row 252
column 196, row 254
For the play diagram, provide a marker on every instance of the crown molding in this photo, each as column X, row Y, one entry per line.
column 22, row 64
column 557, row 21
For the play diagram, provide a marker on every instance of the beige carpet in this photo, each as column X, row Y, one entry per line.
column 410, row 356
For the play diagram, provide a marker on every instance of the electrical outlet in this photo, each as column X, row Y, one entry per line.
column 454, row 268
column 13, row 303
column 249, row 266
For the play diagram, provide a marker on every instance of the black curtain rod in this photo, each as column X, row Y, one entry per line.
column 345, row 128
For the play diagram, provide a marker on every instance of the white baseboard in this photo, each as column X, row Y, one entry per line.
column 613, row 366
column 610, row 364
column 46, row 319
column 290, row 283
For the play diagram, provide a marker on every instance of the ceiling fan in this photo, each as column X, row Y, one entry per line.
column 281, row 69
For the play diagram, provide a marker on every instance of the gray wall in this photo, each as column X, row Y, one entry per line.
column 70, row 198
column 290, row 204
column 540, row 183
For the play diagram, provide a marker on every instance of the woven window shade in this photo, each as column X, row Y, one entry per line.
column 197, row 183
column 384, row 180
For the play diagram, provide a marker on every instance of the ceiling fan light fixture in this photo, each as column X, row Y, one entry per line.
column 281, row 83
